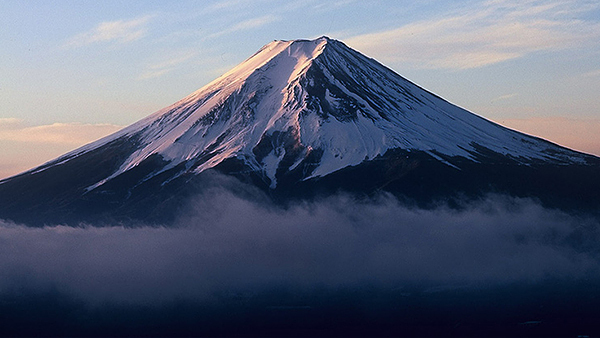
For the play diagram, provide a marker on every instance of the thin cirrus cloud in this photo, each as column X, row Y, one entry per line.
column 505, row 97
column 248, row 24
column 485, row 34
column 165, row 66
column 121, row 31
column 593, row 73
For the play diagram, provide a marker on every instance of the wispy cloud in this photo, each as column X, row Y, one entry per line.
column 484, row 34
column 112, row 31
column 593, row 73
column 24, row 146
column 10, row 122
column 167, row 65
column 248, row 24
column 71, row 134
column 580, row 134
column 228, row 4
column 505, row 97
column 329, row 5
column 254, row 23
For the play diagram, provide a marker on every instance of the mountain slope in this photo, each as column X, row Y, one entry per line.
column 297, row 119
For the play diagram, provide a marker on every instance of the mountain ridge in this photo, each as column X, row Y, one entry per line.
column 170, row 141
column 296, row 116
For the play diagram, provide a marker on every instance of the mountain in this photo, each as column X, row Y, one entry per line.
column 300, row 119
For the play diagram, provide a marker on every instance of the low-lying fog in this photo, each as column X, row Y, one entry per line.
column 226, row 244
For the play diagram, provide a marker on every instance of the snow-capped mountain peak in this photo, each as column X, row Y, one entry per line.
column 299, row 120
column 314, row 98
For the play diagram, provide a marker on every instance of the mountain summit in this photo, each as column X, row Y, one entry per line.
column 298, row 119
column 294, row 98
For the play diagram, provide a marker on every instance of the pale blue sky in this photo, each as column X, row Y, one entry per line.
column 72, row 71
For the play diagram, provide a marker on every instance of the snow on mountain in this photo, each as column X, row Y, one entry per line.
column 299, row 121
column 294, row 99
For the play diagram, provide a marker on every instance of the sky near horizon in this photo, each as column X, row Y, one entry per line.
column 74, row 71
